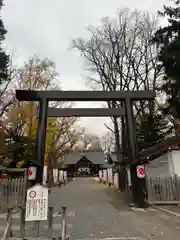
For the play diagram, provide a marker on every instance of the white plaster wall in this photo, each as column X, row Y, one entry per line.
column 165, row 165
column 158, row 167
column 175, row 156
column 171, row 164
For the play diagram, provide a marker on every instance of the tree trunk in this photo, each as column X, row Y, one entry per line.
column 117, row 140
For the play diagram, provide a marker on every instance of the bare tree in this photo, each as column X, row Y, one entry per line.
column 108, row 142
column 119, row 57
column 21, row 118
column 65, row 137
column 6, row 94
column 35, row 74
column 63, row 141
column 89, row 142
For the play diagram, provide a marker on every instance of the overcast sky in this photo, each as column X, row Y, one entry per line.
column 46, row 28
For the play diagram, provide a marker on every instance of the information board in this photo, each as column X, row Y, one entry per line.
column 37, row 203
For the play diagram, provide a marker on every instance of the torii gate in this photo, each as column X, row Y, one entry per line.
column 43, row 97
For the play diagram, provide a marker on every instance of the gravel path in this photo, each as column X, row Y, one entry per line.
column 98, row 212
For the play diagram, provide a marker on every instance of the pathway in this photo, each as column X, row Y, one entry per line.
column 98, row 212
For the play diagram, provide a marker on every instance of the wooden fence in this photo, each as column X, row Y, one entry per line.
column 12, row 193
column 159, row 190
column 163, row 190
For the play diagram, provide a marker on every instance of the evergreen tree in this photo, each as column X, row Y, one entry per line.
column 3, row 56
column 152, row 129
column 168, row 40
column 20, row 149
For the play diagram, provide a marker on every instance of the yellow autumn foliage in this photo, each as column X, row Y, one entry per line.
column 40, row 74
column 52, row 128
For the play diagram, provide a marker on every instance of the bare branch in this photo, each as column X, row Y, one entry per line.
column 109, row 128
column 108, row 142
column 119, row 57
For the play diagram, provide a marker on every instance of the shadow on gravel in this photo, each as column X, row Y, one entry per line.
column 119, row 200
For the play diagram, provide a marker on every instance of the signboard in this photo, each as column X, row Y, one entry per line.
column 100, row 174
column 129, row 177
column 55, row 175
column 65, row 175
column 32, row 173
column 116, row 180
column 61, row 175
column 110, row 175
column 104, row 175
column 140, row 171
column 45, row 175
column 37, row 203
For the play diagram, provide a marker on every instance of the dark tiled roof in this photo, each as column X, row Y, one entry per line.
column 106, row 166
column 94, row 157
column 155, row 151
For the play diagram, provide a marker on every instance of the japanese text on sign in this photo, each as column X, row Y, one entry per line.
column 37, row 203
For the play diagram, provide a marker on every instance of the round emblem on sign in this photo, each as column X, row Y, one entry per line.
column 32, row 194
column 141, row 171
column 29, row 172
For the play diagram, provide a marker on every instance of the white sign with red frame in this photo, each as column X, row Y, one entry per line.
column 31, row 171
column 37, row 203
column 140, row 171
